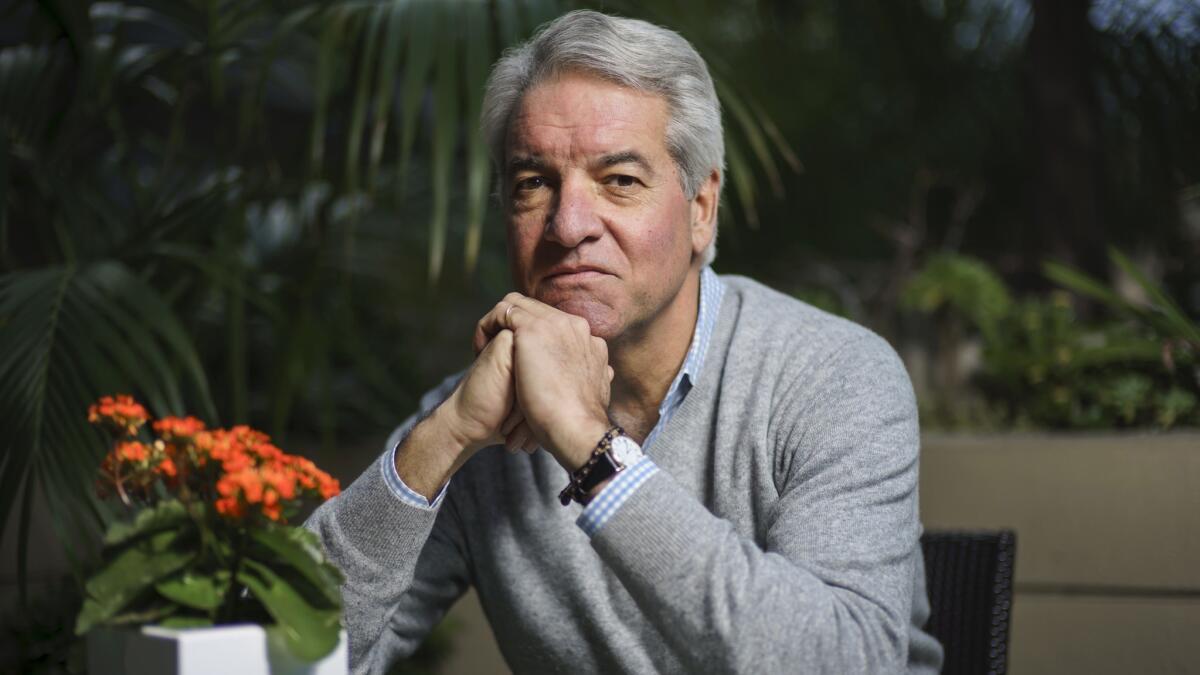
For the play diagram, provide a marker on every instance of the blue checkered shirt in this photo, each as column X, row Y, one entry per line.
column 609, row 500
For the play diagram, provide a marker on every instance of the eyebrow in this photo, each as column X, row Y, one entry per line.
column 526, row 163
column 536, row 163
column 625, row 157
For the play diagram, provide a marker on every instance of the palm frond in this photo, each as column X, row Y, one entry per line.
column 69, row 335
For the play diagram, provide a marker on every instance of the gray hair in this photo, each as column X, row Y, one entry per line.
column 631, row 53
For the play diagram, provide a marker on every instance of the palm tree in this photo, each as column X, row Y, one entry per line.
column 200, row 193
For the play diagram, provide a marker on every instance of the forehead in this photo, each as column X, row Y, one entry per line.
column 576, row 115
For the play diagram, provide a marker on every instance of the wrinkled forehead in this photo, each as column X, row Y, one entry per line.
column 574, row 117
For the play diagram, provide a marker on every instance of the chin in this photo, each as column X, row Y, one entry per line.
column 605, row 322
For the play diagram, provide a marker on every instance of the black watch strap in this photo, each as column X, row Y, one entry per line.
column 599, row 467
column 605, row 468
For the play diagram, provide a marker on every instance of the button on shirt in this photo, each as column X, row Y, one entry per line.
column 625, row 483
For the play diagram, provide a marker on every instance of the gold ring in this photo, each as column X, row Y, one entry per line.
column 506, row 313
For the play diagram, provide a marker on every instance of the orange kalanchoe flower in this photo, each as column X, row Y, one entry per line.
column 182, row 428
column 131, row 451
column 282, row 481
column 120, row 411
column 272, row 511
column 263, row 488
column 167, row 468
column 312, row 478
column 248, row 473
column 230, row 507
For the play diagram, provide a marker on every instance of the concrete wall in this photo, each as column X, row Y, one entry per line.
column 1108, row 542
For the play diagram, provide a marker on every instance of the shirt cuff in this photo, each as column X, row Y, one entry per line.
column 605, row 504
column 402, row 491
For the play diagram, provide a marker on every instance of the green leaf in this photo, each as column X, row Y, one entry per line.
column 253, row 101
column 1084, row 285
column 745, row 119
column 124, row 578
column 1176, row 320
column 334, row 21
column 309, row 633
column 166, row 515
column 478, row 55
column 198, row 591
column 743, row 181
column 389, row 68
column 155, row 314
column 445, row 134
column 143, row 616
column 358, row 110
column 300, row 549
column 418, row 59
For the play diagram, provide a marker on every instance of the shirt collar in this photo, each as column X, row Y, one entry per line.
column 711, row 292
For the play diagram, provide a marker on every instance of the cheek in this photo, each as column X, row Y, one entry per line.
column 524, row 233
column 660, row 249
column 667, row 233
column 521, row 245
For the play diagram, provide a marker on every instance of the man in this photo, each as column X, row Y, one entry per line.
column 748, row 464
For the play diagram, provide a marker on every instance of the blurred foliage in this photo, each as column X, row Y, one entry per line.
column 1041, row 366
column 246, row 209
column 962, row 285
column 914, row 127
column 274, row 188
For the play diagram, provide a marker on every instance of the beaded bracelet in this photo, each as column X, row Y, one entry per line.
column 573, row 491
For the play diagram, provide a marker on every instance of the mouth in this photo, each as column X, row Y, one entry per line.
column 565, row 273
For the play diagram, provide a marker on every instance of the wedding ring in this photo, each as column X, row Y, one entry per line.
column 506, row 313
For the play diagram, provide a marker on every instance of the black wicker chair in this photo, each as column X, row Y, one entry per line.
column 969, row 579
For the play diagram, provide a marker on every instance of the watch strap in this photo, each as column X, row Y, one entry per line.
column 599, row 467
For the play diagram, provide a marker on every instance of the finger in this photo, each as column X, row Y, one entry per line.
column 531, row 444
column 502, row 340
column 611, row 374
column 497, row 319
column 511, row 312
column 487, row 327
column 514, row 418
column 600, row 347
column 518, row 438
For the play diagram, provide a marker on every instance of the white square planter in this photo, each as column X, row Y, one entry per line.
column 241, row 649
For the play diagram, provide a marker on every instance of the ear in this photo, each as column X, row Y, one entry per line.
column 704, row 212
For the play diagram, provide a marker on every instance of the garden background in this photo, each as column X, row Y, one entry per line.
column 279, row 213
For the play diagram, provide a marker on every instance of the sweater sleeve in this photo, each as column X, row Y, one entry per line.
column 830, row 588
column 404, row 564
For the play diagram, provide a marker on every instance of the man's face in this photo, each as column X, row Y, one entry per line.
column 598, row 224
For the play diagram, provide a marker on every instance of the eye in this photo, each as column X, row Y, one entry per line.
column 530, row 183
column 622, row 180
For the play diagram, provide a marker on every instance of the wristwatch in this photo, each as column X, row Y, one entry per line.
column 614, row 453
column 622, row 453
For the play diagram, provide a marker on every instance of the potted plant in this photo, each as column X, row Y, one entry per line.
column 206, row 575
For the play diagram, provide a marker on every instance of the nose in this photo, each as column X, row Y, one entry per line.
column 574, row 219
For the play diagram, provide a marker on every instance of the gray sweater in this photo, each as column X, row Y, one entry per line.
column 780, row 534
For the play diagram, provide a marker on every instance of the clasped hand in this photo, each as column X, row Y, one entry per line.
column 540, row 378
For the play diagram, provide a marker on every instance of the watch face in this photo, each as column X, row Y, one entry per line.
column 625, row 450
